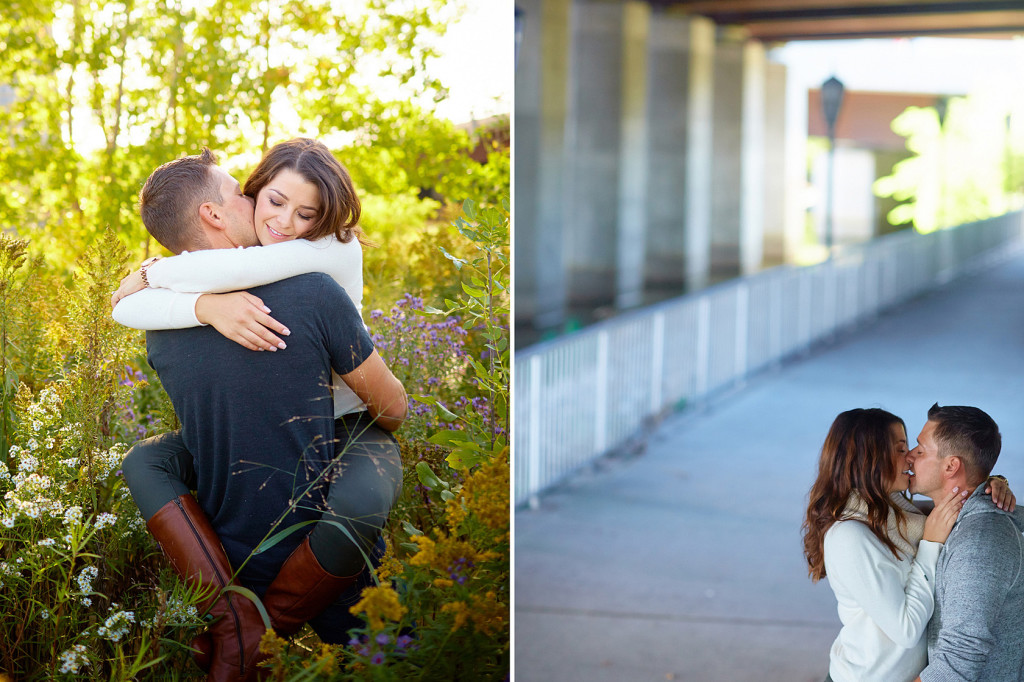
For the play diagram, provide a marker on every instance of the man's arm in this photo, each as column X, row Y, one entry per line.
column 382, row 393
column 981, row 564
column 357, row 362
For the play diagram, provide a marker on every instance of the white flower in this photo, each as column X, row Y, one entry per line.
column 8, row 522
column 45, row 615
column 86, row 601
column 14, row 450
column 28, row 464
column 47, row 542
column 50, row 443
column 37, row 425
column 73, row 659
column 72, row 515
column 117, row 625
column 85, row 578
column 105, row 519
column 32, row 444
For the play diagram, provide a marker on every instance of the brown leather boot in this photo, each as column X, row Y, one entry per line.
column 301, row 590
column 195, row 553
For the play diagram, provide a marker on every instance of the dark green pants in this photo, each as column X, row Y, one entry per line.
column 363, row 487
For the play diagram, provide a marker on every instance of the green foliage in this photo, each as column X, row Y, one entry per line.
column 968, row 170
column 87, row 590
column 95, row 96
column 483, row 306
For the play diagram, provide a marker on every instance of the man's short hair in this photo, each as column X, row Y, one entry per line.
column 967, row 433
column 170, row 199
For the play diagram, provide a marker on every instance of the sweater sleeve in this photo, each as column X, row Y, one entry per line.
column 214, row 271
column 979, row 570
column 860, row 567
column 154, row 309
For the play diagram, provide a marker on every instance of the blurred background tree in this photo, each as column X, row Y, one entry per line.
column 967, row 165
column 95, row 95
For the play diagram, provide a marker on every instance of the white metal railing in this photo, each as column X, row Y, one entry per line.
column 582, row 395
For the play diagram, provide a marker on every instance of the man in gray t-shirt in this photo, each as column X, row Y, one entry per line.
column 977, row 630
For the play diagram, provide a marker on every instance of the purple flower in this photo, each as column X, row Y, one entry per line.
column 402, row 642
column 383, row 638
column 377, row 658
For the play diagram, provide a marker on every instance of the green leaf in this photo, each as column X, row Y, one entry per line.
column 472, row 291
column 280, row 535
column 448, row 438
column 410, row 529
column 427, row 477
column 409, row 546
column 251, row 596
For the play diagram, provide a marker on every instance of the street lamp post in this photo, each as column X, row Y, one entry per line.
column 941, row 108
column 831, row 101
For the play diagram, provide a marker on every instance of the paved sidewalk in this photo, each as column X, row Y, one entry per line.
column 684, row 562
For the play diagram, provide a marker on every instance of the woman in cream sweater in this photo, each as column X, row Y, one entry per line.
column 877, row 549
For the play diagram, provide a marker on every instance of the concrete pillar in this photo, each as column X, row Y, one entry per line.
column 775, row 155
column 668, row 72
column 726, row 167
column 752, row 158
column 699, row 149
column 594, row 142
column 540, row 212
column 797, row 195
column 633, row 165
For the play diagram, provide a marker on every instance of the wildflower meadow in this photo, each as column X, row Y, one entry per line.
column 84, row 591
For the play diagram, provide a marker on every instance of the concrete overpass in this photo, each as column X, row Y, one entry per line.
column 658, row 149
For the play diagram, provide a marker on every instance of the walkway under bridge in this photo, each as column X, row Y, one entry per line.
column 677, row 556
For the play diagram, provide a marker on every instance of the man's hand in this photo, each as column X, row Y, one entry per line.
column 132, row 282
column 243, row 318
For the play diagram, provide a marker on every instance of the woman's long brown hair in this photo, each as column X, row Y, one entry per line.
column 858, row 456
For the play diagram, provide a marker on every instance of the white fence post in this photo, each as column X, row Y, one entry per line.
column 657, row 361
column 533, row 449
column 601, row 399
column 742, row 330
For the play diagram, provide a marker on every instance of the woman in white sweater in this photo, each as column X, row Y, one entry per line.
column 877, row 549
column 306, row 217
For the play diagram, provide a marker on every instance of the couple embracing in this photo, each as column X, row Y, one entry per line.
column 936, row 597
column 296, row 437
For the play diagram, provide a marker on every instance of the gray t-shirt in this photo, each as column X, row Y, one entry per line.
column 977, row 630
column 260, row 425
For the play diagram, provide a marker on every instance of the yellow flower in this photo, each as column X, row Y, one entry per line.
column 461, row 612
column 487, row 614
column 389, row 566
column 484, row 495
column 379, row 603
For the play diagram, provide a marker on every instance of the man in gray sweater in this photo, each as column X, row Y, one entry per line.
column 977, row 630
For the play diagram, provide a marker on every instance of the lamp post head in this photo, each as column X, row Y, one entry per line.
column 520, row 20
column 831, row 101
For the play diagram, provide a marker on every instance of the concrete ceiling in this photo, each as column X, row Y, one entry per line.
column 785, row 20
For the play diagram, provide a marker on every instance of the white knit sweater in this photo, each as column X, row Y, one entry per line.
column 178, row 282
column 884, row 603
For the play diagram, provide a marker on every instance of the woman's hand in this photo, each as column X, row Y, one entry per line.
column 132, row 282
column 1002, row 496
column 941, row 520
column 243, row 318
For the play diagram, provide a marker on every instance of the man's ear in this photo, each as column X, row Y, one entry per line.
column 210, row 215
column 952, row 465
